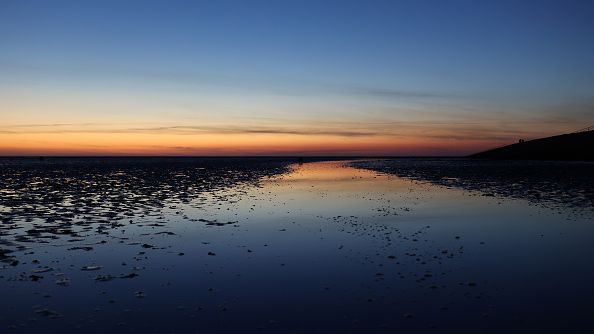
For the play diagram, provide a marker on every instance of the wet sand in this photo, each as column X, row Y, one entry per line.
column 269, row 246
column 567, row 184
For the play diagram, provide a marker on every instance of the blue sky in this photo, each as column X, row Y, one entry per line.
column 292, row 65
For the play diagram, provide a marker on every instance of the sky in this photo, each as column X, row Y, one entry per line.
column 365, row 78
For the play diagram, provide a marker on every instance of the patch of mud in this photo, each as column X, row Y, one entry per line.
column 550, row 184
column 43, row 200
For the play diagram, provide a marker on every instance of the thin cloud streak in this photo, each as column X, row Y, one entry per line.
column 272, row 85
column 421, row 130
column 182, row 129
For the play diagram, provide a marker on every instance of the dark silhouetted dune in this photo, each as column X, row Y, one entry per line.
column 577, row 146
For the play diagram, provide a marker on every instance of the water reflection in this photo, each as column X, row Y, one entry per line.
column 550, row 183
column 322, row 248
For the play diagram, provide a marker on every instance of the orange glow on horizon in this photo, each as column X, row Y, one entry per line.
column 68, row 144
column 69, row 123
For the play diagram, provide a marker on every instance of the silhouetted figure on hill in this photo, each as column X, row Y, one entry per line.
column 577, row 146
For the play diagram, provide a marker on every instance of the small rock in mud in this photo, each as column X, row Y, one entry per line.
column 48, row 313
column 104, row 278
column 63, row 281
column 85, row 248
column 130, row 275
column 91, row 268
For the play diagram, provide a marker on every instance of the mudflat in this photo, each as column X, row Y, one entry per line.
column 268, row 245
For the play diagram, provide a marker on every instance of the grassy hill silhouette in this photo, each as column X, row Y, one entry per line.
column 577, row 146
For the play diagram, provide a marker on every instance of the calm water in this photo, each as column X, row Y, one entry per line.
column 315, row 247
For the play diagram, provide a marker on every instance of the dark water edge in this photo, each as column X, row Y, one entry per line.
column 553, row 184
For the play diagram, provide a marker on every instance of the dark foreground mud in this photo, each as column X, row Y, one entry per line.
column 62, row 198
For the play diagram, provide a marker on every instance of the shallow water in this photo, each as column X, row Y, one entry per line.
column 315, row 247
column 568, row 184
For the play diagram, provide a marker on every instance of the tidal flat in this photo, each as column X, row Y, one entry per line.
column 197, row 245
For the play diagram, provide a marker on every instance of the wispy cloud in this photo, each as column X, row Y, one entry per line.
column 384, row 92
column 254, row 130
column 439, row 130
column 273, row 85
column 181, row 129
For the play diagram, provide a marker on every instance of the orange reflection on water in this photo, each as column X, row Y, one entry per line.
column 340, row 176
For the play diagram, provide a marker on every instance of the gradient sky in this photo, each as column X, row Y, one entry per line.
column 291, row 77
